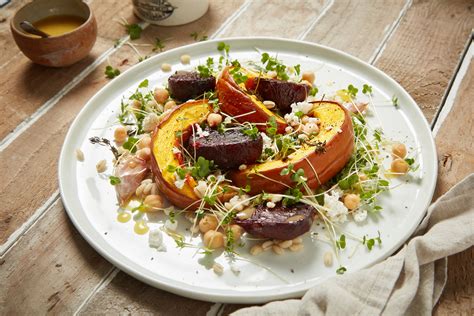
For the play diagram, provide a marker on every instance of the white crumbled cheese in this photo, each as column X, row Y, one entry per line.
column 275, row 198
column 237, row 203
column 234, row 269
column 242, row 167
column 201, row 188
column 155, row 240
column 176, row 150
column 179, row 183
column 271, row 204
column 267, row 141
column 292, row 119
column 337, row 211
column 200, row 132
column 150, row 121
column 288, row 129
column 304, row 107
column 169, row 225
column 359, row 215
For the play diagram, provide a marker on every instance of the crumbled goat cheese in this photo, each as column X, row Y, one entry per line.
column 271, row 204
column 359, row 215
column 169, row 225
column 275, row 198
column 292, row 119
column 176, row 150
column 150, row 121
column 304, row 107
column 201, row 188
column 179, row 183
column 155, row 240
column 337, row 211
column 267, row 141
column 200, row 132
column 237, row 203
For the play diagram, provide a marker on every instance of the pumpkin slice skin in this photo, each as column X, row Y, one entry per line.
column 235, row 101
column 319, row 167
column 165, row 137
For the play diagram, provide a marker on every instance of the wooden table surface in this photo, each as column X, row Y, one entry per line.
column 47, row 267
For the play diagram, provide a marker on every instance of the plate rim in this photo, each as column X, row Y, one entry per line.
column 213, row 295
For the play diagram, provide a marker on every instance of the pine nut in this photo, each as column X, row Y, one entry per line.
column 217, row 268
column 267, row 245
column 297, row 240
column 165, row 67
column 256, row 250
column 296, row 247
column 79, row 155
column 101, row 166
column 328, row 259
column 285, row 244
column 277, row 249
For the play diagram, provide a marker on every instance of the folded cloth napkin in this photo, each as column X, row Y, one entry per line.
column 407, row 283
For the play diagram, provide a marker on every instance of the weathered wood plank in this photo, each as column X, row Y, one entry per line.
column 355, row 27
column 128, row 295
column 424, row 51
column 25, row 87
column 40, row 145
column 51, row 269
column 456, row 161
column 270, row 18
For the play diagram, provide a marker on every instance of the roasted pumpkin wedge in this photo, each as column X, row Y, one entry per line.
column 168, row 135
column 235, row 101
column 319, row 163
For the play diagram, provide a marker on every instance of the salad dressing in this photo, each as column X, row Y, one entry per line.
column 141, row 227
column 124, row 217
column 56, row 25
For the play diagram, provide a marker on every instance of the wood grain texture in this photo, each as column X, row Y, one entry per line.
column 423, row 53
column 456, row 161
column 126, row 295
column 24, row 162
column 24, row 86
column 354, row 27
column 50, row 270
column 276, row 18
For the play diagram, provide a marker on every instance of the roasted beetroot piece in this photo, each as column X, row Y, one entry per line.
column 185, row 85
column 280, row 222
column 229, row 149
column 283, row 93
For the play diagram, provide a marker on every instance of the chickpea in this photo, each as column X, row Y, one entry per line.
column 120, row 134
column 169, row 105
column 207, row 223
column 145, row 142
column 269, row 104
column 237, row 231
column 214, row 119
column 144, row 153
column 399, row 150
column 213, row 239
column 399, row 166
column 308, row 76
column 362, row 177
column 185, row 59
column 153, row 203
column 165, row 67
column 161, row 95
column 352, row 201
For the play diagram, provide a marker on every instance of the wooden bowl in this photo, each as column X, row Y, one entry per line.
column 55, row 51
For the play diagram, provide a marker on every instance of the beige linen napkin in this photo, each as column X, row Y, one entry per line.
column 408, row 283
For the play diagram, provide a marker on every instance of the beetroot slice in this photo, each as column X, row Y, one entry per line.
column 283, row 93
column 185, row 85
column 280, row 222
column 228, row 150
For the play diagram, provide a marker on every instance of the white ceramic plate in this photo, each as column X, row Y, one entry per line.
column 91, row 204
